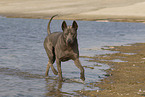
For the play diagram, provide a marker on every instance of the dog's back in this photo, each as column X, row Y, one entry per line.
column 53, row 37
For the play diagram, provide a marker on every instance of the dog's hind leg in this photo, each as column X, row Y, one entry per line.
column 50, row 64
column 51, row 55
column 47, row 69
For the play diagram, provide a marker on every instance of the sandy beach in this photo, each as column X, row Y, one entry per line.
column 75, row 9
column 126, row 78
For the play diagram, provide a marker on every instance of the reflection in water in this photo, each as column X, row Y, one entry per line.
column 54, row 88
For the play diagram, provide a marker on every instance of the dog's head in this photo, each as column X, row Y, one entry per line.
column 69, row 32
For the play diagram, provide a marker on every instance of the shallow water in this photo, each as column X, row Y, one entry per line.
column 23, row 59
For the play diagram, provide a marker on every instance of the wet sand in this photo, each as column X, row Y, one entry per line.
column 113, row 10
column 126, row 78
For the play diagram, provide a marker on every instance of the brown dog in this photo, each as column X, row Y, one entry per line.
column 62, row 46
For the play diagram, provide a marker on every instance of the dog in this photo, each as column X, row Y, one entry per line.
column 62, row 46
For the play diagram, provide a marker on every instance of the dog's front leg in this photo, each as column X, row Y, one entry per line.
column 58, row 62
column 78, row 64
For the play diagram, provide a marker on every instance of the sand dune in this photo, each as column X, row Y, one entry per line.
column 74, row 9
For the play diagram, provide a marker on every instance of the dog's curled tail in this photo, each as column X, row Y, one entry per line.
column 48, row 27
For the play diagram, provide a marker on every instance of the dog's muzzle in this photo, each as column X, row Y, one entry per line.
column 69, row 41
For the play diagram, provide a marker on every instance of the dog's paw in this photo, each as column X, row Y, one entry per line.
column 61, row 80
column 83, row 78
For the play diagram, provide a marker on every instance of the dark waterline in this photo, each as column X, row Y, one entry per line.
column 23, row 59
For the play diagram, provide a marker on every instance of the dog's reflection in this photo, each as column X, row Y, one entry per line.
column 54, row 87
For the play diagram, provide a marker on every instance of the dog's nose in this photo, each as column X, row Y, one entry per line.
column 69, row 40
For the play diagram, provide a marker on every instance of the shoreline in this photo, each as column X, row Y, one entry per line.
column 132, row 20
column 99, row 19
column 125, row 78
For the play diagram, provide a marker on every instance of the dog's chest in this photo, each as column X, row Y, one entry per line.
column 67, row 55
column 65, row 58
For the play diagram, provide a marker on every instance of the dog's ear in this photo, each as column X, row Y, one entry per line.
column 75, row 25
column 64, row 25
